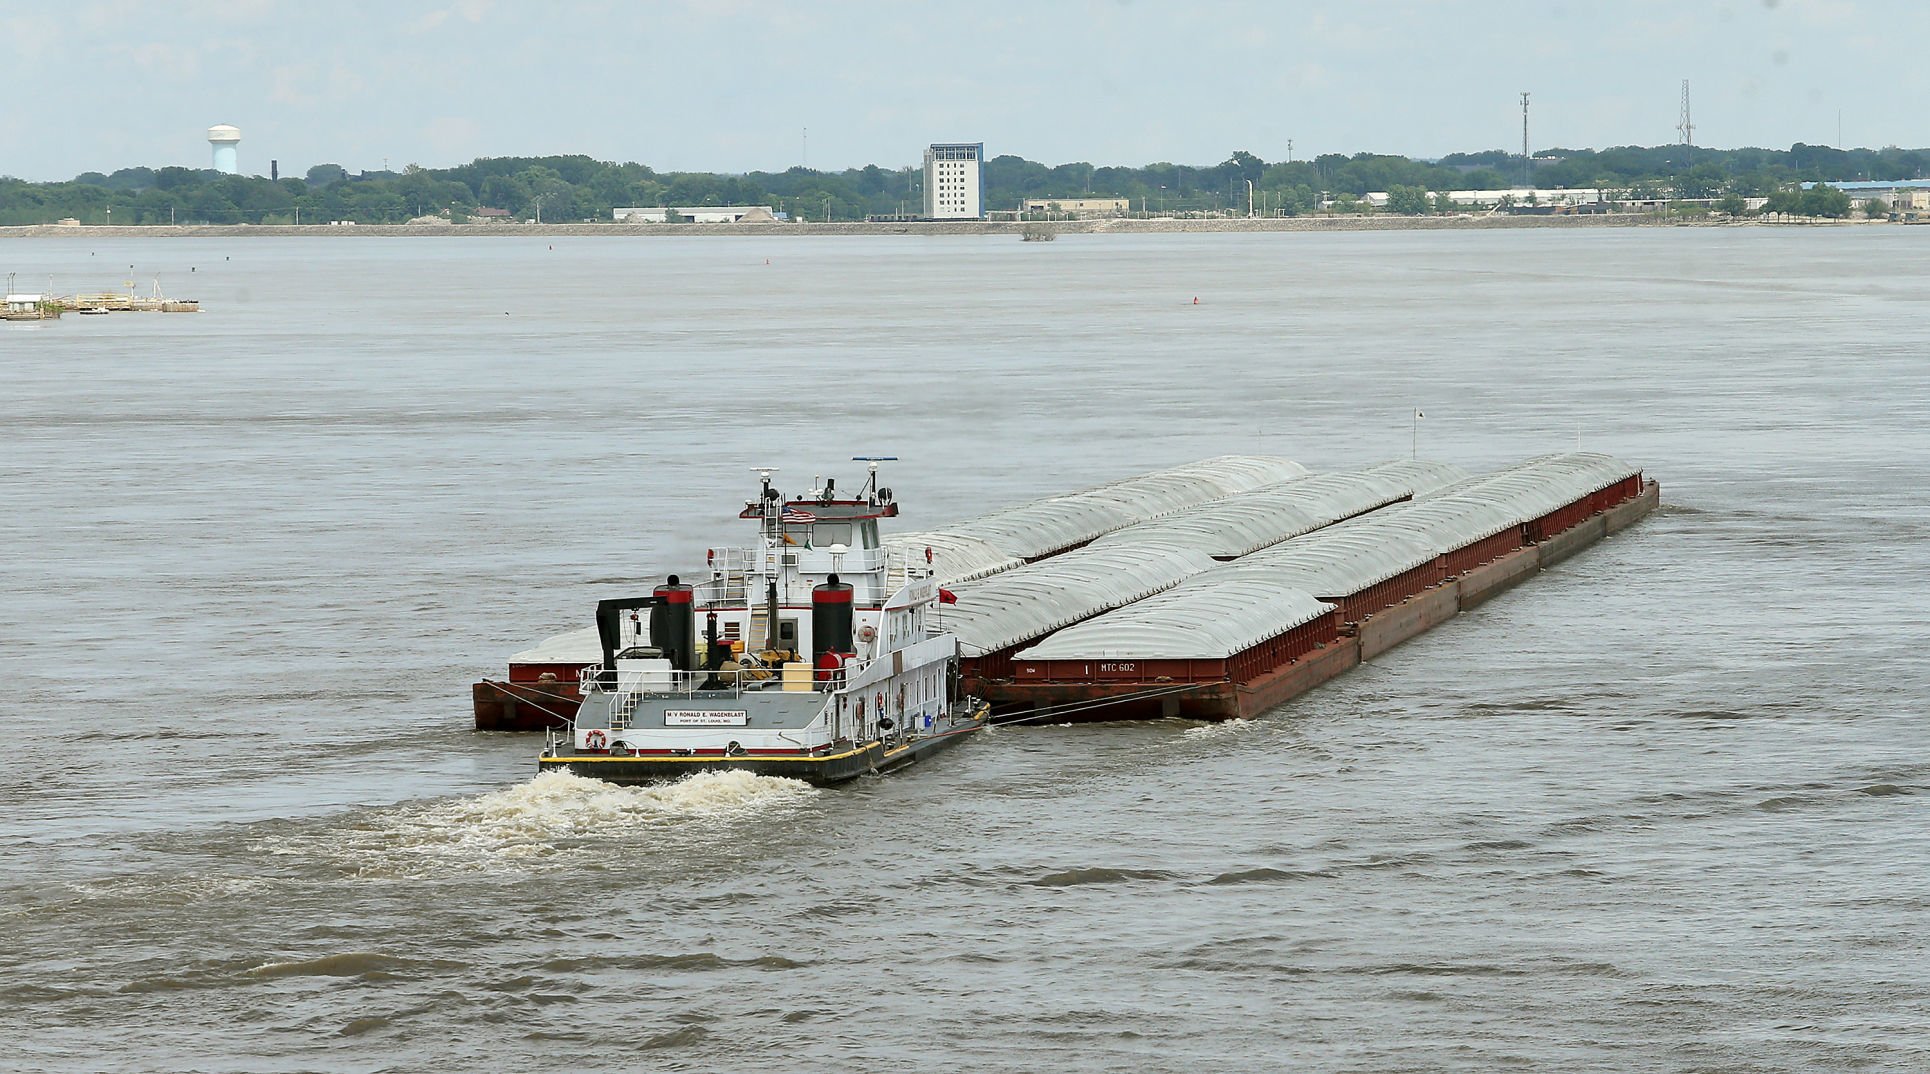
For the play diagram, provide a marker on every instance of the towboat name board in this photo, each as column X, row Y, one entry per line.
column 706, row 718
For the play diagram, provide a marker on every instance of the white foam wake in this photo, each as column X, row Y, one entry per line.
column 553, row 817
column 559, row 803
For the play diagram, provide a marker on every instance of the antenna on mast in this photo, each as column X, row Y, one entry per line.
column 1686, row 126
column 767, row 497
column 871, row 485
column 1526, row 160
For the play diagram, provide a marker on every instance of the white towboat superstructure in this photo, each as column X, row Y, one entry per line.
column 813, row 654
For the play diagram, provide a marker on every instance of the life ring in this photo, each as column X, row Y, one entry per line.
column 595, row 740
column 865, row 633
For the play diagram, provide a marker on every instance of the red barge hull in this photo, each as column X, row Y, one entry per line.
column 525, row 706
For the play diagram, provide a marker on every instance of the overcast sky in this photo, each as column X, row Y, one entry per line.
column 733, row 85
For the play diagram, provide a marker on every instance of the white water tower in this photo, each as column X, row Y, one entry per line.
column 224, row 139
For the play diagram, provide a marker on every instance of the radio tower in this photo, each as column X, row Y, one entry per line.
column 1525, row 158
column 1685, row 127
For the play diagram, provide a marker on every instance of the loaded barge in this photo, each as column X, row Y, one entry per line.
column 1210, row 591
column 1242, row 637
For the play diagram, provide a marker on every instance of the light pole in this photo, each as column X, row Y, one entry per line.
column 1162, row 201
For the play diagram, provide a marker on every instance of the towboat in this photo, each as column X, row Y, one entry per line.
column 814, row 653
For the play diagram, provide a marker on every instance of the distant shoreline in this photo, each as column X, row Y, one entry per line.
column 1120, row 226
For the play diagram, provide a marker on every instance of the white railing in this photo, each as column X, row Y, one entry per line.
column 633, row 684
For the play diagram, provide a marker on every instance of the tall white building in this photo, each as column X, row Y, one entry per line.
column 955, row 181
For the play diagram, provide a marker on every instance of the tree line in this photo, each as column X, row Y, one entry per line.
column 577, row 188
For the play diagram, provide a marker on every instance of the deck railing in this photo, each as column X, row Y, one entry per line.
column 594, row 679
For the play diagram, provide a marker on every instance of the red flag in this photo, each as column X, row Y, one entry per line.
column 946, row 596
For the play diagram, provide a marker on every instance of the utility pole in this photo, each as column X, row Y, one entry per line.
column 1524, row 141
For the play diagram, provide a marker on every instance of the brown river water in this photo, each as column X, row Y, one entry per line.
column 1664, row 808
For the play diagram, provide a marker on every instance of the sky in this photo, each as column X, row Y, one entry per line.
column 736, row 85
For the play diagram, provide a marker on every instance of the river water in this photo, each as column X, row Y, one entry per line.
column 1662, row 808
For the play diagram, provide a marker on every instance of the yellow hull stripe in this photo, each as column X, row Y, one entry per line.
column 812, row 759
column 674, row 759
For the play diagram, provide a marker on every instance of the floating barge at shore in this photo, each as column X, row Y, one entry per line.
column 29, row 308
column 1210, row 591
column 121, row 302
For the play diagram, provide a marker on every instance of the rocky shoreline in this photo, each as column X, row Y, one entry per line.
column 1123, row 226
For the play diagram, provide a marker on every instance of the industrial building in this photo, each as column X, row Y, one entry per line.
column 698, row 214
column 955, row 181
column 1079, row 207
column 1898, row 194
column 1558, row 197
column 224, row 139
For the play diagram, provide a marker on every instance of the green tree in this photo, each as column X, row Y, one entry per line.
column 1876, row 209
column 1825, row 201
column 1701, row 181
column 1244, row 165
column 1786, row 202
column 1732, row 204
column 1408, row 201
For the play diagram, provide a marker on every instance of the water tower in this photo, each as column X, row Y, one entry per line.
column 224, row 139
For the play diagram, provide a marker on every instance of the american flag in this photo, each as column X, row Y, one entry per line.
column 793, row 515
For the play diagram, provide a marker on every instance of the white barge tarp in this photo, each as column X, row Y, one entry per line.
column 1025, row 603
column 1042, row 527
column 1337, row 563
column 1236, row 525
column 955, row 557
column 576, row 647
column 1237, row 605
column 1212, row 616
column 1021, row 604
column 1421, row 476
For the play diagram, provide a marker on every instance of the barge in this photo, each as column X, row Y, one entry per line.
column 1238, row 639
column 1210, row 591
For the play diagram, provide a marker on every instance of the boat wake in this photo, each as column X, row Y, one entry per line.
column 551, row 819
